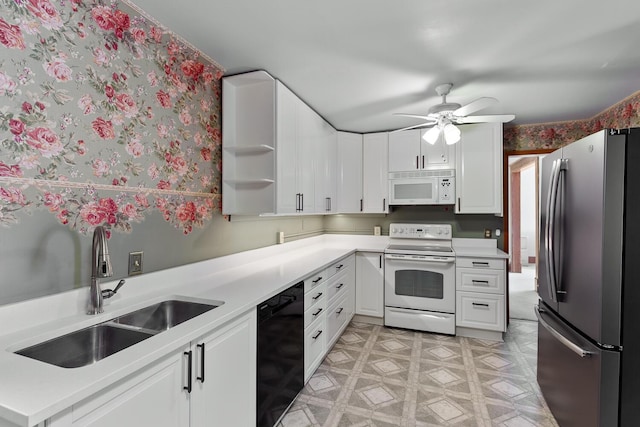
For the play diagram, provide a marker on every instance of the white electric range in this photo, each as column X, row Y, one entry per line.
column 420, row 285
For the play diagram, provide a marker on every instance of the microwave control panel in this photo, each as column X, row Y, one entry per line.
column 446, row 190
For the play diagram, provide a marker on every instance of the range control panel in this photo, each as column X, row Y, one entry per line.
column 420, row 231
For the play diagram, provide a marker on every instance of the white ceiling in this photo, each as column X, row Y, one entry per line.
column 358, row 61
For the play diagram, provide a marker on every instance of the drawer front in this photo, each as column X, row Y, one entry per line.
column 314, row 280
column 337, row 316
column 481, row 311
column 497, row 264
column 314, row 296
column 338, row 284
column 315, row 312
column 314, row 346
column 478, row 280
column 340, row 266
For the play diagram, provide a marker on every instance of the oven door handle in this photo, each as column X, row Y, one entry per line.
column 415, row 312
column 419, row 258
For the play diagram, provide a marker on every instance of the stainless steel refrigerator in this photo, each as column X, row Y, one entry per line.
column 589, row 281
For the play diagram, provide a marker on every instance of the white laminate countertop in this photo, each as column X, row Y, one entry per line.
column 478, row 248
column 33, row 391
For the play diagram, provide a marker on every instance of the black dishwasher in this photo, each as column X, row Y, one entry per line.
column 280, row 354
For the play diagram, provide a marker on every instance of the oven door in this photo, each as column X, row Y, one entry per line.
column 420, row 282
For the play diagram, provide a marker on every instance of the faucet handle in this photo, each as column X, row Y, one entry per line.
column 108, row 293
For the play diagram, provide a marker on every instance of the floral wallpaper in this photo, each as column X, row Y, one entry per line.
column 104, row 118
column 624, row 114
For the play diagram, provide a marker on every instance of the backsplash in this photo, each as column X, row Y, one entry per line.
column 105, row 117
column 624, row 114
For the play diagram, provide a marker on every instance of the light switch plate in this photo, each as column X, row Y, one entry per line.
column 135, row 263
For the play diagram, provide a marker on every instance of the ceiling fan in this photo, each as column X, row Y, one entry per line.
column 444, row 116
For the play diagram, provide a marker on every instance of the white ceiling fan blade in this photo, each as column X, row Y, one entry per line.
column 485, row 119
column 414, row 126
column 474, row 106
column 415, row 116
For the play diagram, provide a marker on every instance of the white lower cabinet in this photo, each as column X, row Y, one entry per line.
column 220, row 391
column 370, row 284
column 154, row 396
column 480, row 297
column 224, row 388
column 329, row 306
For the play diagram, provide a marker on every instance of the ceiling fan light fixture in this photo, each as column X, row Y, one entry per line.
column 451, row 134
column 432, row 135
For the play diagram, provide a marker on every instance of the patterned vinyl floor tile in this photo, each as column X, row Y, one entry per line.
column 387, row 377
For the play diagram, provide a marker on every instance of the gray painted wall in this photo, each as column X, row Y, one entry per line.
column 42, row 257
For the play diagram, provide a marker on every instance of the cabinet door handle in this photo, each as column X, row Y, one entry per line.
column 328, row 204
column 477, row 304
column 189, row 355
column 417, row 162
column 340, row 286
column 380, row 261
column 201, row 377
column 297, row 202
column 315, row 337
column 317, row 280
column 317, row 312
column 422, row 162
column 458, row 204
column 360, row 205
column 384, row 205
column 301, row 202
column 317, row 296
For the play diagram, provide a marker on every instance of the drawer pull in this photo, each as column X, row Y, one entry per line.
column 317, row 296
column 315, row 337
column 478, row 304
column 340, row 286
column 340, row 310
column 317, row 280
column 339, row 267
column 480, row 282
column 480, row 263
column 317, row 312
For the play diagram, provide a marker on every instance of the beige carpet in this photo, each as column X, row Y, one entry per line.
column 522, row 294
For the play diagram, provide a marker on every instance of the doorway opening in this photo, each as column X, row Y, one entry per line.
column 521, row 221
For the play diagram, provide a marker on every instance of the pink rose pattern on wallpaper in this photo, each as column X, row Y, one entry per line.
column 624, row 114
column 105, row 117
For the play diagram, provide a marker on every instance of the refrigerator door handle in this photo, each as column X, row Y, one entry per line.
column 548, row 232
column 559, row 166
column 563, row 340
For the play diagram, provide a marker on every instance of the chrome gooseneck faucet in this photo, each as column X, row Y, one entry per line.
column 100, row 268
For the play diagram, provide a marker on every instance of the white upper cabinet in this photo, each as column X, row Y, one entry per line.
column 349, row 191
column 287, row 196
column 479, row 169
column 271, row 155
column 409, row 152
column 326, row 170
column 248, row 144
column 375, row 187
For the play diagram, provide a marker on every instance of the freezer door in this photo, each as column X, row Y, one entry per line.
column 547, row 173
column 579, row 381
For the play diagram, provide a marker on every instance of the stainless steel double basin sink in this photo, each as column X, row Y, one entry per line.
column 89, row 345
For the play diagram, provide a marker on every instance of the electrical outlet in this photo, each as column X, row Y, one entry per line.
column 487, row 233
column 135, row 263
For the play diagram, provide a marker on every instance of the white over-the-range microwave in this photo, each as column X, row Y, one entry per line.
column 426, row 187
